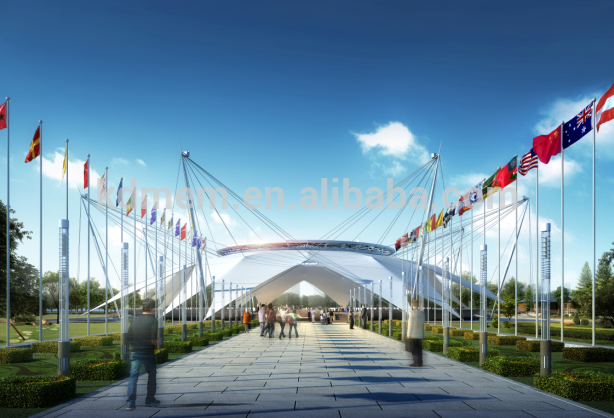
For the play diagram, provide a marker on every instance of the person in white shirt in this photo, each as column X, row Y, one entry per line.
column 261, row 319
column 282, row 322
column 416, row 333
column 313, row 314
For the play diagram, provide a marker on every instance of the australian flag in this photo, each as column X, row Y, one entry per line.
column 577, row 127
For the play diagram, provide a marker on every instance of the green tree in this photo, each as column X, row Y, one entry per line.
column 17, row 235
column 604, row 286
column 557, row 295
column 24, row 287
column 582, row 297
column 528, row 298
column 51, row 289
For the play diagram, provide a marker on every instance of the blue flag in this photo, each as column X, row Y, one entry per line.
column 577, row 127
column 153, row 214
column 119, row 190
column 194, row 240
column 178, row 228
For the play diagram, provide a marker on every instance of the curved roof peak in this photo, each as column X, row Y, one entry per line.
column 317, row 245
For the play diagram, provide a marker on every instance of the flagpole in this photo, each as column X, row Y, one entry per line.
column 134, row 212
column 536, row 249
column 516, row 231
column 471, row 270
column 594, row 254
column 442, row 292
column 66, row 178
column 89, row 192
column 106, row 250
column 40, row 290
column 8, row 228
column 146, row 249
column 562, row 303
column 460, row 276
column 172, row 273
column 499, row 265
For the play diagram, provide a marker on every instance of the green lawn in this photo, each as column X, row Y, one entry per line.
column 51, row 332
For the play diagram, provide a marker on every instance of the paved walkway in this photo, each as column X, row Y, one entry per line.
column 329, row 371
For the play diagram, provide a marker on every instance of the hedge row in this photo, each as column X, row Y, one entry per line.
column 579, row 333
column 117, row 336
column 52, row 347
column 428, row 327
column 15, row 355
column 471, row 335
column 397, row 336
column 161, row 355
column 437, row 329
column 94, row 341
column 588, row 354
column 216, row 336
column 512, row 366
column 178, row 347
column 227, row 333
column 504, row 339
column 578, row 386
column 437, row 345
column 533, row 346
column 199, row 341
column 35, row 391
column 96, row 370
column 454, row 332
column 468, row 355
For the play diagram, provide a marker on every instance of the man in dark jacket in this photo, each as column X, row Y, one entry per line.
column 363, row 316
column 143, row 336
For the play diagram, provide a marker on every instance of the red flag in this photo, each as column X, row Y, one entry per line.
column 3, row 115
column 547, row 146
column 85, row 179
column 605, row 108
column 35, row 146
column 405, row 240
column 433, row 222
column 183, row 232
column 397, row 245
column 144, row 206
column 507, row 174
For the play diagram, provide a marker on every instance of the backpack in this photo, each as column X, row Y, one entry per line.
column 270, row 316
column 290, row 319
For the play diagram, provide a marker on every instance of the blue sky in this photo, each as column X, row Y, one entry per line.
column 278, row 94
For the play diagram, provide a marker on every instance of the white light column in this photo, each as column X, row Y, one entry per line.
column 161, row 302
column 545, row 349
column 483, row 317
column 64, row 344
column 125, row 283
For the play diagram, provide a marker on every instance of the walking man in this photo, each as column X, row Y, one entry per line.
column 143, row 336
column 247, row 319
column 261, row 319
column 416, row 333
column 291, row 319
column 363, row 316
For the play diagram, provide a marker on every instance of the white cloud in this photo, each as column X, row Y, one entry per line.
column 53, row 169
column 138, row 160
column 115, row 161
column 395, row 142
column 223, row 216
column 550, row 174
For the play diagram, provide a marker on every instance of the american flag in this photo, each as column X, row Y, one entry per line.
column 528, row 162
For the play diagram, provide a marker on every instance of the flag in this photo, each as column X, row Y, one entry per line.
column 177, row 227
column 432, row 223
column 577, row 127
column 462, row 205
column 204, row 243
column 183, row 232
column 488, row 186
column 194, row 241
column 604, row 110
column 448, row 216
column 474, row 195
column 119, row 193
column 170, row 223
column 198, row 242
column 129, row 206
column 154, row 212
column 412, row 236
column 528, row 162
column 404, row 240
column 3, row 115
column 143, row 206
column 86, row 181
column 162, row 219
column 35, row 146
column 439, row 221
column 65, row 161
column 547, row 146
column 507, row 174
column 397, row 245
column 104, row 185
column 418, row 232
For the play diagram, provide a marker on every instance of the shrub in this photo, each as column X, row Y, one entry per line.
column 578, row 386
column 199, row 341
column 495, row 321
column 457, row 332
column 466, row 355
column 578, row 333
column 172, row 329
column 584, row 321
column 504, row 339
column 117, row 336
column 192, row 325
column 235, row 330
column 397, row 336
column 512, row 366
column 94, row 341
column 227, row 333
column 533, row 346
column 507, row 324
column 470, row 335
column 52, row 347
column 178, row 347
column 161, row 355
column 35, row 391
column 24, row 319
column 437, row 329
column 427, row 327
column 15, row 355
column 588, row 354
column 576, row 319
column 96, row 370
column 216, row 336
column 437, row 345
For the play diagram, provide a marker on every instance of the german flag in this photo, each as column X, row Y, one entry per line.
column 35, row 146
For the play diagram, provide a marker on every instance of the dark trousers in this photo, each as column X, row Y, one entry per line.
column 415, row 347
column 351, row 323
column 364, row 322
column 281, row 332
column 135, row 368
column 290, row 326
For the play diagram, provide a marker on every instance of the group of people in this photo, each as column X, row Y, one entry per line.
column 326, row 315
column 283, row 316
